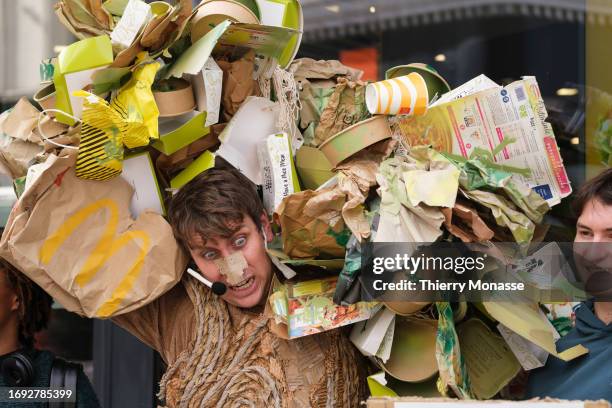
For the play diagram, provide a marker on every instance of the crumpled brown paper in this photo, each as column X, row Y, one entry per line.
column 316, row 83
column 356, row 176
column 464, row 222
column 311, row 225
column 308, row 68
column 345, row 107
column 163, row 30
column 84, row 18
column 20, row 141
column 158, row 34
column 21, row 123
column 345, row 199
column 505, row 213
column 238, row 83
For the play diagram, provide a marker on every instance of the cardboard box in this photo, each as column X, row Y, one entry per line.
column 75, row 66
column 278, row 172
column 207, row 87
column 304, row 308
column 177, row 132
column 415, row 402
column 204, row 162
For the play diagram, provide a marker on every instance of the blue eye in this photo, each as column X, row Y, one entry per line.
column 240, row 241
column 210, row 255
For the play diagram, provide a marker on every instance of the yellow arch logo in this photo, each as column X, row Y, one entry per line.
column 107, row 246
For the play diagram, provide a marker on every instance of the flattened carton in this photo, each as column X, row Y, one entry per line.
column 481, row 114
column 304, row 308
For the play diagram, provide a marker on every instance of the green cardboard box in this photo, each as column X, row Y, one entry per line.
column 204, row 162
column 176, row 133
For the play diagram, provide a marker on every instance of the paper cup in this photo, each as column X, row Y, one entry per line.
column 177, row 102
column 45, row 97
column 404, row 95
column 436, row 84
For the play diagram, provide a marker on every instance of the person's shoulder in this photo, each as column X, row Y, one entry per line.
column 43, row 362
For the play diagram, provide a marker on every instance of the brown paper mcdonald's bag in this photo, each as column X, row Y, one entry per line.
column 76, row 239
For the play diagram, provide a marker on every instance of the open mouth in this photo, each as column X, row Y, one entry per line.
column 244, row 286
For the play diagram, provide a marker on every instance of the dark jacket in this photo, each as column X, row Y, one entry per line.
column 588, row 377
column 43, row 361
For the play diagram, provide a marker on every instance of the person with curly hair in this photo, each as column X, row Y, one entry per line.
column 24, row 311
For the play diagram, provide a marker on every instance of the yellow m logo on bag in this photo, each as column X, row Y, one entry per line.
column 108, row 244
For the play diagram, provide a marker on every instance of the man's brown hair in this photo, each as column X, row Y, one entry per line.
column 598, row 188
column 34, row 303
column 213, row 204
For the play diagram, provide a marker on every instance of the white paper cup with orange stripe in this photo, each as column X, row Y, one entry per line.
column 404, row 95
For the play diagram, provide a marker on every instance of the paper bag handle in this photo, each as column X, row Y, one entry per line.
column 42, row 134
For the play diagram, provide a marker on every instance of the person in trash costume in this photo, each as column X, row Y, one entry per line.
column 220, row 350
column 588, row 377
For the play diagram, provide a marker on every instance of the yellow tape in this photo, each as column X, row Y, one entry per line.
column 106, row 247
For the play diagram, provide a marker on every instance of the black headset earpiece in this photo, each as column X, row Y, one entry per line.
column 17, row 370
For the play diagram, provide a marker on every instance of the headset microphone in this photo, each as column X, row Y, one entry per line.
column 218, row 288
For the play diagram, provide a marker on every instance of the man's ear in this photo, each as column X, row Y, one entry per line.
column 266, row 227
column 15, row 303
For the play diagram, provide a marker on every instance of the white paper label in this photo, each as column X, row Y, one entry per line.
column 138, row 171
column 274, row 156
column 135, row 15
column 528, row 354
column 213, row 82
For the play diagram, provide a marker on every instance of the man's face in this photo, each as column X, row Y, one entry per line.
column 255, row 279
column 9, row 302
column 593, row 247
